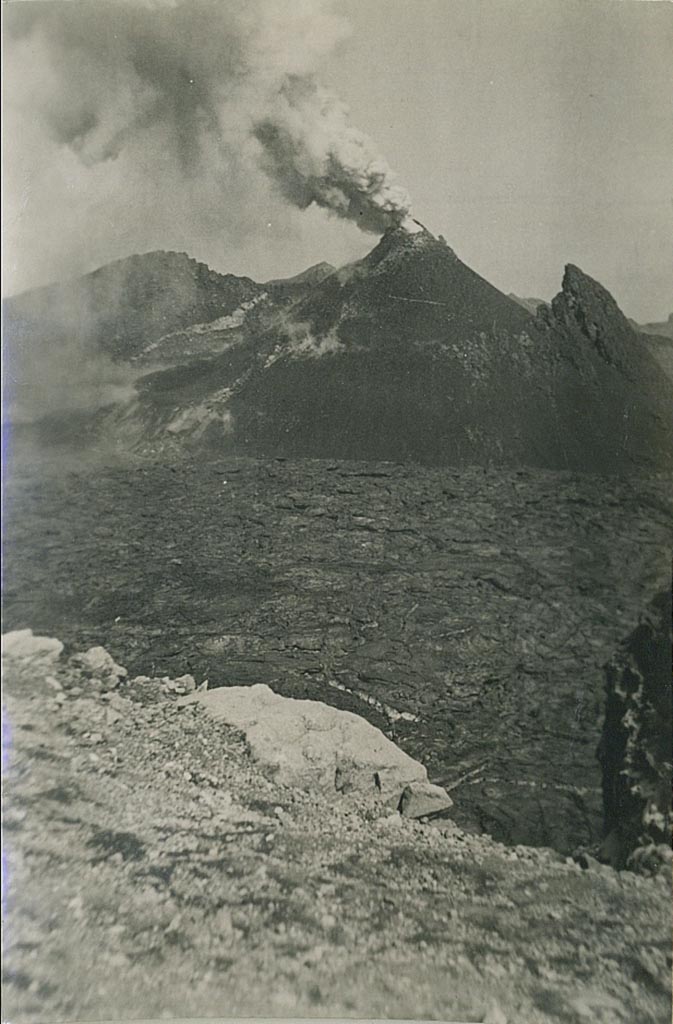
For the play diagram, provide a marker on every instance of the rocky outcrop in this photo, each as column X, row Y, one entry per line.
column 585, row 305
column 22, row 644
column 635, row 749
column 615, row 408
column 99, row 666
column 310, row 745
column 122, row 307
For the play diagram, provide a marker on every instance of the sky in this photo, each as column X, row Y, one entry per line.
column 530, row 134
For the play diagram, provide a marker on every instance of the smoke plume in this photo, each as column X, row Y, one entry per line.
column 316, row 156
column 196, row 93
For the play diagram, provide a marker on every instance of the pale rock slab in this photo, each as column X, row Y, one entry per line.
column 312, row 745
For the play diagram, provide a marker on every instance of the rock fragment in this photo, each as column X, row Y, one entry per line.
column 181, row 685
column 420, row 799
column 97, row 664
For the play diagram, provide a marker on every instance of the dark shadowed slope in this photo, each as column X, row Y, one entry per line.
column 410, row 355
column 662, row 350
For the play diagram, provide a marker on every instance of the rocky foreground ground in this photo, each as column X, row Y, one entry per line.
column 154, row 869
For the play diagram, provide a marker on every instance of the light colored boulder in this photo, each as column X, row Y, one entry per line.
column 312, row 745
column 422, row 798
column 98, row 664
column 21, row 643
column 181, row 685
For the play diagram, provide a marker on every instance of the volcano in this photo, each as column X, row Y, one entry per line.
column 405, row 355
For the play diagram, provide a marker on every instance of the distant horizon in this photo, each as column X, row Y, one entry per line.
column 529, row 134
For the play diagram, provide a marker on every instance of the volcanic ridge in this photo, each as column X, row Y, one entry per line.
column 404, row 355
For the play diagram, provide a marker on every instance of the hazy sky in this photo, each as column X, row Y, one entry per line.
column 530, row 134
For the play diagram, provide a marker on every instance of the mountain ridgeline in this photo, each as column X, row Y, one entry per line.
column 126, row 305
column 405, row 355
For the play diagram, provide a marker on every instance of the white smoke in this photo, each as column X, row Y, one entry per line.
column 316, row 156
column 204, row 85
